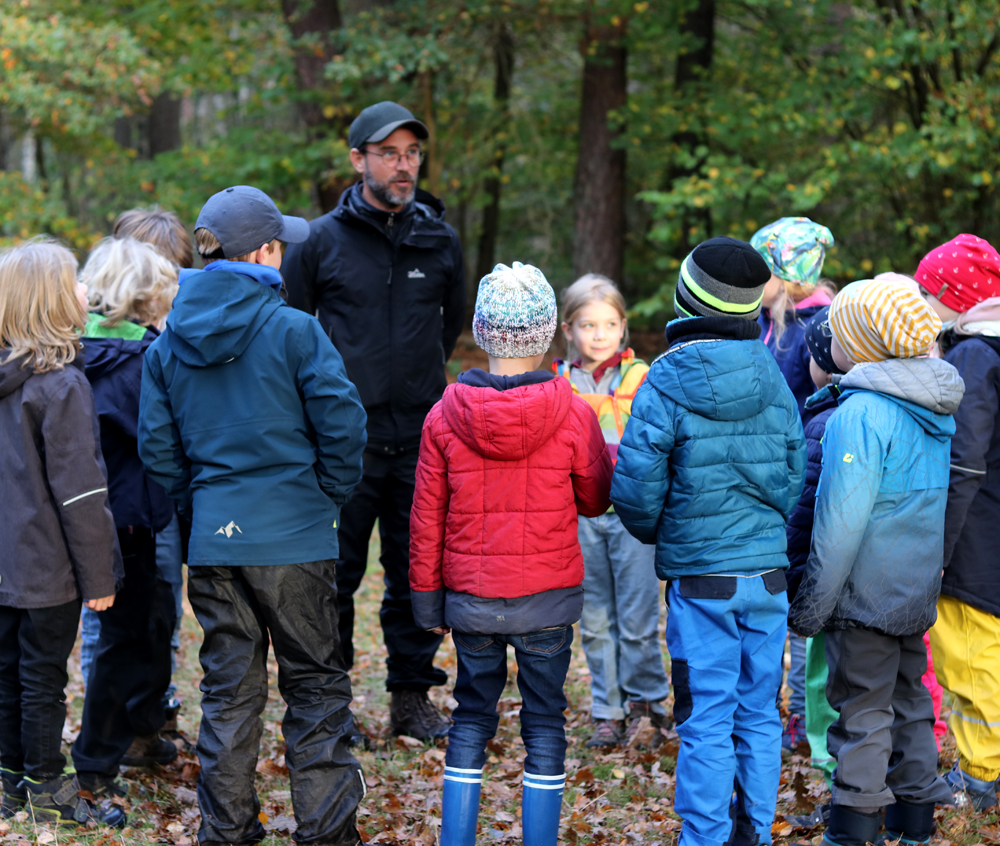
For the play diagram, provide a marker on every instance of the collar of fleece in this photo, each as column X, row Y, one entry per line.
column 266, row 275
column 711, row 329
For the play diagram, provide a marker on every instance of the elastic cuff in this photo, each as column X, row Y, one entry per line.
column 982, row 773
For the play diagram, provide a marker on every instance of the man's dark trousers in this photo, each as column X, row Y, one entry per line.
column 385, row 494
column 295, row 606
column 131, row 668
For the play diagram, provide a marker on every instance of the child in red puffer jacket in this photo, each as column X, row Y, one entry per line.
column 507, row 461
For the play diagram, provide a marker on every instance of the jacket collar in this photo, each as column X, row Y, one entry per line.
column 711, row 329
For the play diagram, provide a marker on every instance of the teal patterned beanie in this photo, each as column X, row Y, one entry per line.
column 515, row 312
column 794, row 248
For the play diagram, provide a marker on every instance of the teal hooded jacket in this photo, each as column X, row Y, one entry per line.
column 713, row 458
column 247, row 418
column 878, row 535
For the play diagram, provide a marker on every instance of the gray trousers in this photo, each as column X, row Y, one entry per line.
column 884, row 739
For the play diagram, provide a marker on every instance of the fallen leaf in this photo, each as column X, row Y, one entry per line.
column 618, row 773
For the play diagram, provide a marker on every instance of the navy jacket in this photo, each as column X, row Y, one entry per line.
column 113, row 364
column 713, row 458
column 819, row 407
column 248, row 419
column 389, row 290
column 971, row 556
column 791, row 351
column 878, row 536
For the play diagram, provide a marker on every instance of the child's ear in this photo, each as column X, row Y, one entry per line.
column 565, row 330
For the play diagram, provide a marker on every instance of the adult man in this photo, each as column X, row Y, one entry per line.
column 386, row 276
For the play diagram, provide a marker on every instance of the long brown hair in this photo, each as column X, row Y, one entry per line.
column 41, row 318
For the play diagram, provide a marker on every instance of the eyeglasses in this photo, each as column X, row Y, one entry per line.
column 391, row 157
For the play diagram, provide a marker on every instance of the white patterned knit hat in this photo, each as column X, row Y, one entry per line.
column 515, row 312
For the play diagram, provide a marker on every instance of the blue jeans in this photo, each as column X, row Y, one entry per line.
column 726, row 663
column 621, row 614
column 542, row 663
column 90, row 633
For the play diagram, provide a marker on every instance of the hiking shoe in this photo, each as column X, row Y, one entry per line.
column 356, row 738
column 644, row 735
column 14, row 793
column 59, row 801
column 101, row 786
column 412, row 713
column 171, row 732
column 971, row 792
column 152, row 750
column 606, row 734
column 793, row 735
column 819, row 816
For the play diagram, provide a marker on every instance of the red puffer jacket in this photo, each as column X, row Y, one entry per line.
column 501, row 478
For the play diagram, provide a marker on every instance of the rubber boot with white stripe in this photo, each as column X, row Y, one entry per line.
column 541, row 805
column 460, row 806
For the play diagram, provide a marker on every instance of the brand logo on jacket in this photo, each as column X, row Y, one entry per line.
column 228, row 530
column 848, row 457
column 417, row 273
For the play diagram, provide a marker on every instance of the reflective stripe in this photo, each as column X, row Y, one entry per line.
column 85, row 495
column 364, row 785
column 463, row 780
column 974, row 720
column 459, row 770
column 546, row 778
column 545, row 786
column 968, row 470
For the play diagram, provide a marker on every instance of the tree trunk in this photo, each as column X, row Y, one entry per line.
column 315, row 20
column 599, row 181
column 503, row 56
column 164, row 125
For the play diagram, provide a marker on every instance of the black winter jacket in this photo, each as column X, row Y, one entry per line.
column 113, row 364
column 972, row 561
column 57, row 535
column 389, row 290
column 818, row 409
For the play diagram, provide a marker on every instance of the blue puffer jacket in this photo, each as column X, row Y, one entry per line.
column 819, row 407
column 248, row 420
column 713, row 458
column 878, row 534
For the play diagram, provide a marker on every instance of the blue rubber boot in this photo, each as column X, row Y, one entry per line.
column 541, row 805
column 460, row 806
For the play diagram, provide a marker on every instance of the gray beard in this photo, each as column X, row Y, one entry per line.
column 386, row 193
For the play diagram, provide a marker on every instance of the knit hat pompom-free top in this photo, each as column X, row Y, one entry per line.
column 962, row 272
column 515, row 313
column 878, row 319
column 721, row 277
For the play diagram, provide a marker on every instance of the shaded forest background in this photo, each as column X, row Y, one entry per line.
column 576, row 135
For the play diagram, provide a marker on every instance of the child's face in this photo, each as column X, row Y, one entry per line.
column 819, row 376
column 840, row 357
column 596, row 331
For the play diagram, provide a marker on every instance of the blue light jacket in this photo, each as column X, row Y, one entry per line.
column 713, row 458
column 878, row 534
column 248, row 420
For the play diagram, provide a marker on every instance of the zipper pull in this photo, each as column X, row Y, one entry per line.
column 392, row 218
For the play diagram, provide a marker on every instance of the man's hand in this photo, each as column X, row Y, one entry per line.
column 102, row 604
column 440, row 630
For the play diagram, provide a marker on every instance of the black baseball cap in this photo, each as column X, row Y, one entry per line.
column 243, row 218
column 378, row 122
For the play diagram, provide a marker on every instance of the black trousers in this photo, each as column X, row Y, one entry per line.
column 386, row 494
column 35, row 644
column 131, row 669
column 295, row 605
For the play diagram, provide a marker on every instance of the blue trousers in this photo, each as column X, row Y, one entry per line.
column 542, row 663
column 726, row 635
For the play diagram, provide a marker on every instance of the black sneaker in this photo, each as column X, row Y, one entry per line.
column 149, row 751
column 170, row 730
column 59, row 801
column 101, row 786
column 14, row 793
column 412, row 713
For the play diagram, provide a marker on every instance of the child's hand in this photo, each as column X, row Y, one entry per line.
column 102, row 604
column 440, row 630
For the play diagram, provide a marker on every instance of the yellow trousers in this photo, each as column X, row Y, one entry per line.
column 966, row 646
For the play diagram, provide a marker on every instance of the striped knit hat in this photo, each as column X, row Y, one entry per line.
column 721, row 277
column 515, row 313
column 876, row 319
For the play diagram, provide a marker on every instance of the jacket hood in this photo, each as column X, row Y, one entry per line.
column 925, row 387
column 718, row 379
column 507, row 425
column 107, row 347
column 12, row 374
column 216, row 316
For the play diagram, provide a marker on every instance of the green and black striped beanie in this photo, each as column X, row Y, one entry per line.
column 721, row 277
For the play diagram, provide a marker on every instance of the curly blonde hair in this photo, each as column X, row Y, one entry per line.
column 41, row 318
column 128, row 279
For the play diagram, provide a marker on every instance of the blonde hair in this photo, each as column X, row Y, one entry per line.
column 208, row 245
column 129, row 280
column 159, row 227
column 791, row 294
column 592, row 287
column 41, row 318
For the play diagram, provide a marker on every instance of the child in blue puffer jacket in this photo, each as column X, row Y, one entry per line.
column 709, row 468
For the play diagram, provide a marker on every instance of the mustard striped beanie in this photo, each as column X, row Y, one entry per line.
column 877, row 319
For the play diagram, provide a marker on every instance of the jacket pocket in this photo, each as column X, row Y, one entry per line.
column 776, row 581
column 681, row 681
column 545, row 642
column 707, row 587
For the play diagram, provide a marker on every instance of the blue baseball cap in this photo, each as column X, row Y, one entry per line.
column 243, row 218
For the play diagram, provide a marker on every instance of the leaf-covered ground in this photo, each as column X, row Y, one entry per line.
column 625, row 797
